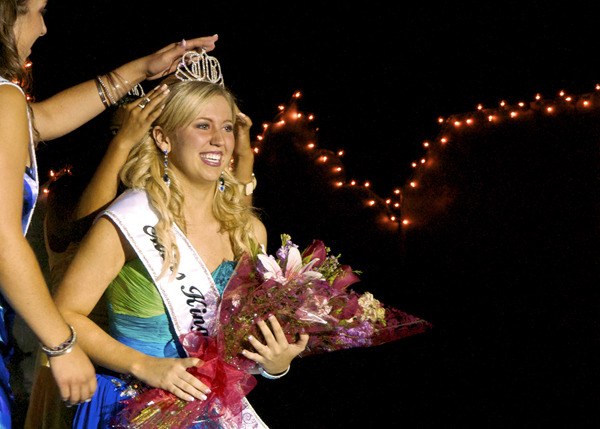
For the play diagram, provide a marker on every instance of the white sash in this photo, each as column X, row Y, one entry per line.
column 191, row 297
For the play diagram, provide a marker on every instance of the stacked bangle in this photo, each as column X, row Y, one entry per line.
column 265, row 374
column 111, row 88
column 62, row 349
column 100, row 89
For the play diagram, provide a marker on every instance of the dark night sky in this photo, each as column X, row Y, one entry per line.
column 376, row 76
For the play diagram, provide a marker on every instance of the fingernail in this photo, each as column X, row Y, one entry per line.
column 182, row 43
column 208, row 391
column 250, row 337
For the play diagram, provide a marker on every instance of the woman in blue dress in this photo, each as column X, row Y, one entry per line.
column 22, row 124
column 161, row 255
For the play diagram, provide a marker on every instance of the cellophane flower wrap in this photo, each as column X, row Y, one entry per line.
column 309, row 293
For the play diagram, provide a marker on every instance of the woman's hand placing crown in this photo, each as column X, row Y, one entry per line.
column 164, row 61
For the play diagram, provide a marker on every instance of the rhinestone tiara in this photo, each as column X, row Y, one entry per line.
column 199, row 66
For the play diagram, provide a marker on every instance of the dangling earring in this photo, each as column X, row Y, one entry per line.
column 166, row 168
column 221, row 183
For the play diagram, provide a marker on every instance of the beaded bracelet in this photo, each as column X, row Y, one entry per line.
column 61, row 349
column 101, row 93
column 265, row 374
column 111, row 99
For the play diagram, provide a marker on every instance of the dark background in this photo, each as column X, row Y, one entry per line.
column 507, row 276
column 376, row 75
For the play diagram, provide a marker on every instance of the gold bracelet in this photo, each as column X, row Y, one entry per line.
column 248, row 188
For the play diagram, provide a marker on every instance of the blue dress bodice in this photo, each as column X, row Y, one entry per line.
column 7, row 315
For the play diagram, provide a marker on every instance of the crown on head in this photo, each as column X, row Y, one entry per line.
column 202, row 67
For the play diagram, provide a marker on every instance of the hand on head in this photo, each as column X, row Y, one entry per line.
column 134, row 119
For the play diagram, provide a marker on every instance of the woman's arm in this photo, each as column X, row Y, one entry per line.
column 136, row 122
column 73, row 107
column 243, row 156
column 100, row 257
column 21, row 279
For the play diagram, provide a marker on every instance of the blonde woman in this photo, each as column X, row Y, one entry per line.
column 162, row 253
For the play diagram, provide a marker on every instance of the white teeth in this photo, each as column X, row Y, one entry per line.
column 211, row 157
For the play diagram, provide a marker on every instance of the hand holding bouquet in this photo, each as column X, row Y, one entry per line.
column 309, row 293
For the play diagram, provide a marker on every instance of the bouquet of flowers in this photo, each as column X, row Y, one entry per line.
column 308, row 292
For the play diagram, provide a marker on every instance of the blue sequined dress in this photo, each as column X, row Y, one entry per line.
column 136, row 317
column 7, row 315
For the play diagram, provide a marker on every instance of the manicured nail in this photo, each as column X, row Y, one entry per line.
column 250, row 337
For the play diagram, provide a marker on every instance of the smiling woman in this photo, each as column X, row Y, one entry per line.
column 165, row 250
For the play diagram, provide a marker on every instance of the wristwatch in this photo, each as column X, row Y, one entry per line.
column 248, row 188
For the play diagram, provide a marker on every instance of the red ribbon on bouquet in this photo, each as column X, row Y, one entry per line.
column 157, row 408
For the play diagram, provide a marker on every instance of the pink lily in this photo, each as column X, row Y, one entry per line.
column 269, row 267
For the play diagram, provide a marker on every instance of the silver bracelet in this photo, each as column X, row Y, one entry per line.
column 265, row 374
column 63, row 348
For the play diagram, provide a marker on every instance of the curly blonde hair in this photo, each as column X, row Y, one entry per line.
column 144, row 170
